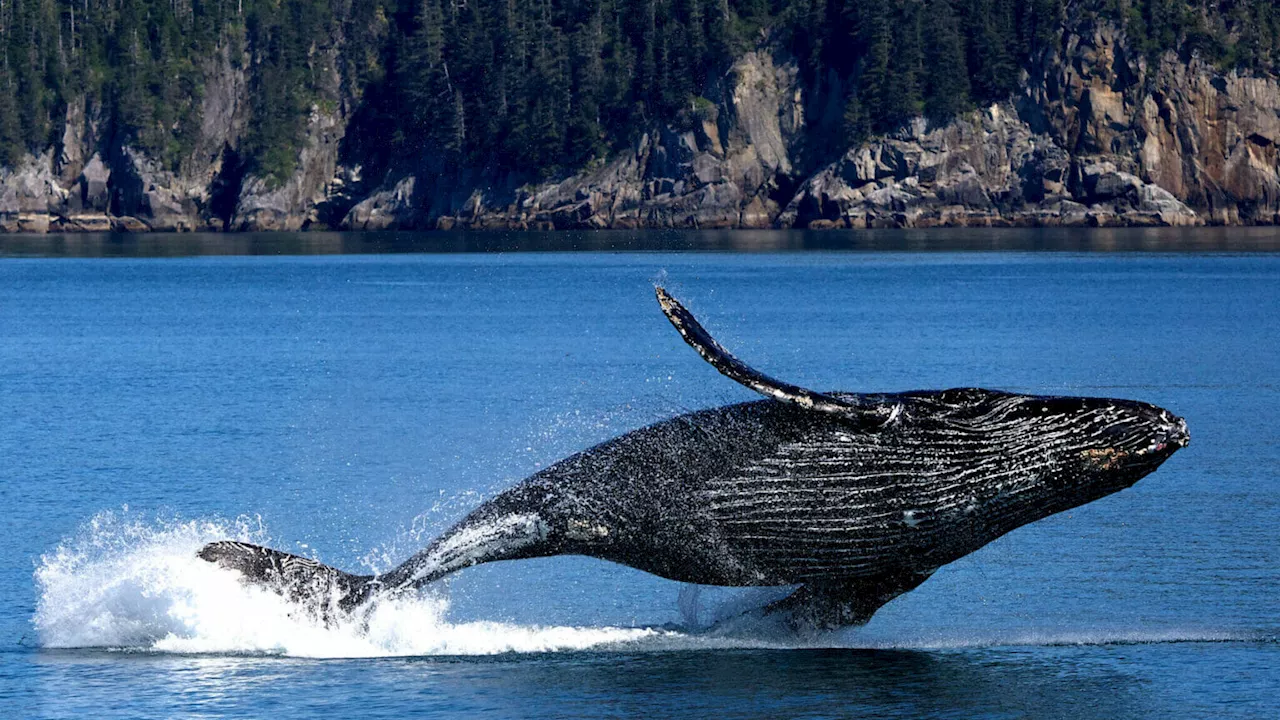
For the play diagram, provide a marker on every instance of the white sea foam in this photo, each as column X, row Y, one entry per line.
column 126, row 584
column 123, row 583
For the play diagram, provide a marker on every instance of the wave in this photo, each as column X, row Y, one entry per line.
column 127, row 584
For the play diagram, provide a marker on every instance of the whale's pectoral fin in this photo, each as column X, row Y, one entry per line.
column 733, row 368
column 317, row 587
column 836, row 604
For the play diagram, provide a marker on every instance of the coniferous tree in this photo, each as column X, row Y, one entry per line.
column 902, row 98
column 537, row 86
column 427, row 90
column 946, row 74
column 583, row 134
column 1039, row 21
column 989, row 33
column 857, row 121
column 11, row 140
column 874, row 80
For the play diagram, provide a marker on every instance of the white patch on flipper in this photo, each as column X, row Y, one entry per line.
column 472, row 544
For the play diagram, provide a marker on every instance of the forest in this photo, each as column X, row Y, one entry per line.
column 537, row 86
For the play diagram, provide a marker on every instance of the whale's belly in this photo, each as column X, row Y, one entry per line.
column 837, row 505
column 763, row 494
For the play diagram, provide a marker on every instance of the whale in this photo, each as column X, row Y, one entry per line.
column 851, row 499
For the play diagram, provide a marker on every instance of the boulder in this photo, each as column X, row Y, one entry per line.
column 95, row 191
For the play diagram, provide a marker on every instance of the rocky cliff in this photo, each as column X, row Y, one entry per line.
column 1098, row 135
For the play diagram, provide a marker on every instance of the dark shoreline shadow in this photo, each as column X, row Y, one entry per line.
column 89, row 245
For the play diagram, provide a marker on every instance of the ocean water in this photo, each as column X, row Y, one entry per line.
column 350, row 407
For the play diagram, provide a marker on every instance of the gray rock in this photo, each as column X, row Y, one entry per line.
column 293, row 204
column 706, row 168
column 384, row 209
column 1101, row 182
column 987, row 168
column 9, row 205
column 95, row 192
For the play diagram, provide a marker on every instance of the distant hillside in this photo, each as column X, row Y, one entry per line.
column 281, row 114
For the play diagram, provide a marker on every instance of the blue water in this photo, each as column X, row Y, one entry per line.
column 350, row 407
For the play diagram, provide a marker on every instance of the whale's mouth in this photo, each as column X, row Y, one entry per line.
column 1169, row 438
column 1182, row 436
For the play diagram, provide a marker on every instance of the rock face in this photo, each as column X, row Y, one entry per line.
column 1098, row 135
column 723, row 171
column 93, row 185
column 1206, row 137
column 294, row 204
column 985, row 169
column 385, row 209
column 29, row 195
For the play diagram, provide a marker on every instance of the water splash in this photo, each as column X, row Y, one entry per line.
column 123, row 583
column 132, row 584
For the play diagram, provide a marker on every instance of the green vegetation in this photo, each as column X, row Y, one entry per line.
column 1241, row 34
column 139, row 68
column 536, row 86
column 288, row 40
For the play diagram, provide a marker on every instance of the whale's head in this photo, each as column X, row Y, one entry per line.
column 1076, row 449
column 1132, row 439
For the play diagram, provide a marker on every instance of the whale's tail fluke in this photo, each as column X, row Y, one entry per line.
column 324, row 590
column 484, row 536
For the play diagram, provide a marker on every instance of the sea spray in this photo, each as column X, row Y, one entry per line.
column 124, row 583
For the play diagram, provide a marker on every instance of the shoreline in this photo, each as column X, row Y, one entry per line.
column 49, row 224
column 1247, row 239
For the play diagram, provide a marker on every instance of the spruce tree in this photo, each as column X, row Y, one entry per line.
column 902, row 99
column 427, row 91
column 946, row 74
column 11, row 144
column 857, row 121
column 874, row 82
column 583, row 134
column 539, row 86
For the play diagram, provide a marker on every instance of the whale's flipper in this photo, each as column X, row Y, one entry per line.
column 733, row 368
column 835, row 604
column 315, row 586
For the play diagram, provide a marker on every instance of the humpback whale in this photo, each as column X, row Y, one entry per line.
column 857, row 498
